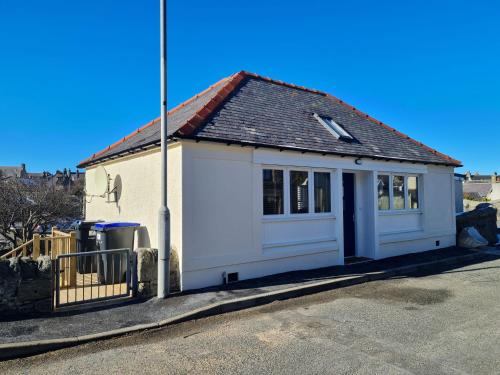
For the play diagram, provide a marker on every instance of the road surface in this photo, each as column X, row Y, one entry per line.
column 440, row 324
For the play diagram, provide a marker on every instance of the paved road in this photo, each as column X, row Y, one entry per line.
column 80, row 323
column 447, row 323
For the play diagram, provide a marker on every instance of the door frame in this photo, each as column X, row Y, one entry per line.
column 366, row 213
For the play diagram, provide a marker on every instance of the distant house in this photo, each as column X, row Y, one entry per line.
column 60, row 179
column 66, row 178
column 267, row 177
column 479, row 187
column 13, row 172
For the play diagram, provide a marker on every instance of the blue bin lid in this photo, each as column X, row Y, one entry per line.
column 116, row 224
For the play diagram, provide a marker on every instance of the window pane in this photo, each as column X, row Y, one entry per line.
column 273, row 191
column 413, row 192
column 337, row 130
column 299, row 192
column 383, row 192
column 398, row 192
column 322, row 192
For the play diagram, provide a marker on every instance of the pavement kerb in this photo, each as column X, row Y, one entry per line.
column 28, row 348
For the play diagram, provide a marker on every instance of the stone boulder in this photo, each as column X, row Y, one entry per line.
column 470, row 238
column 483, row 218
column 147, row 271
column 44, row 267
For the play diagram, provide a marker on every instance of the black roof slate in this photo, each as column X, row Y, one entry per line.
column 269, row 113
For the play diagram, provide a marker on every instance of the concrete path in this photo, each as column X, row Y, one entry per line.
column 73, row 324
column 445, row 323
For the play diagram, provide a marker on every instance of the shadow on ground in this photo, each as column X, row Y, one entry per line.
column 104, row 318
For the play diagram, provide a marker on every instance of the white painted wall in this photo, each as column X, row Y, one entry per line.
column 227, row 231
column 215, row 198
column 459, row 195
column 140, row 194
column 403, row 232
column 366, row 211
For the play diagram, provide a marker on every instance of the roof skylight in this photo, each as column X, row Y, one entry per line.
column 334, row 128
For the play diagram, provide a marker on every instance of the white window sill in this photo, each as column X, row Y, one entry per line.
column 297, row 217
column 297, row 243
column 404, row 231
column 411, row 235
column 399, row 212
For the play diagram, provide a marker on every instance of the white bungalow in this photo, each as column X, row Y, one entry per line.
column 267, row 177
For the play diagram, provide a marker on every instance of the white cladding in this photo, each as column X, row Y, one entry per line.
column 217, row 217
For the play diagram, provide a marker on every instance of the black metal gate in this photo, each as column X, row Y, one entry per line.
column 91, row 277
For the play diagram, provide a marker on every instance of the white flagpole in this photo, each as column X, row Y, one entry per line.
column 164, row 214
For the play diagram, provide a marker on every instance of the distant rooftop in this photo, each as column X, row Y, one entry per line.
column 20, row 172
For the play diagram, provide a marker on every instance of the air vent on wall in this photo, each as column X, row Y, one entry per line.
column 230, row 277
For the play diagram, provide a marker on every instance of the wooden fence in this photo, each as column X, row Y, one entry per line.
column 55, row 244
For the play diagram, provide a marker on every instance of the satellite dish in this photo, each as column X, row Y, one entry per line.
column 101, row 181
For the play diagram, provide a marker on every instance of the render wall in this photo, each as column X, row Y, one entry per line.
column 215, row 199
column 459, row 195
column 227, row 232
column 431, row 227
column 139, row 194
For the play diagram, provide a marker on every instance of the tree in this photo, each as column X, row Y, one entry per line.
column 25, row 205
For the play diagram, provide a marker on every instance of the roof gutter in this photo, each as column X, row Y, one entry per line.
column 302, row 150
column 174, row 138
column 119, row 154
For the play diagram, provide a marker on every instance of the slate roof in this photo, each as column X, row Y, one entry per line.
column 7, row 172
column 252, row 110
column 480, row 189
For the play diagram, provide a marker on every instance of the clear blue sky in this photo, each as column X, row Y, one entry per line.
column 76, row 76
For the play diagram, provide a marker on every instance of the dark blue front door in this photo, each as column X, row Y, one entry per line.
column 349, row 220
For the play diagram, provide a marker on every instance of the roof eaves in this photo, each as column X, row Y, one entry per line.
column 95, row 156
column 314, row 151
column 122, row 153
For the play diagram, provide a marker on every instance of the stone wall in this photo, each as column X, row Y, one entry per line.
column 495, row 192
column 25, row 286
column 483, row 218
column 147, row 271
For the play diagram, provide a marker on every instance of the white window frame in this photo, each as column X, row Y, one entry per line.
column 335, row 129
column 391, row 179
column 284, row 191
column 309, row 185
column 287, row 215
column 390, row 192
column 322, row 170
column 419, row 191
column 407, row 208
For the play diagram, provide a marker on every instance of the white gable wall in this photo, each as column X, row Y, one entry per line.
column 139, row 200
column 215, row 199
